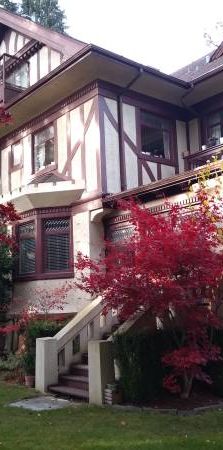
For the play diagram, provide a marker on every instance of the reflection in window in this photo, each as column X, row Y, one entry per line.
column 215, row 128
column 27, row 248
column 155, row 135
column 43, row 148
column 16, row 154
column 19, row 77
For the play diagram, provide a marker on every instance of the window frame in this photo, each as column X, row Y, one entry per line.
column 40, row 274
column 46, row 233
column 53, row 164
column 18, row 166
column 172, row 160
column 25, row 237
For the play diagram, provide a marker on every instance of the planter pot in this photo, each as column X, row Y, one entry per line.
column 30, row 381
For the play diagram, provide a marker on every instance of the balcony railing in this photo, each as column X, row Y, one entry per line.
column 200, row 158
column 14, row 77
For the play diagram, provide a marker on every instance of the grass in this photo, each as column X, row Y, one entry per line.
column 92, row 428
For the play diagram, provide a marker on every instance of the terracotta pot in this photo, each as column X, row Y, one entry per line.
column 30, row 381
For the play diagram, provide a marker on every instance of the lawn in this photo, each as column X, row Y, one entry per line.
column 92, row 428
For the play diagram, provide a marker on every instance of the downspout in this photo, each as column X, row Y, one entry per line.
column 120, row 129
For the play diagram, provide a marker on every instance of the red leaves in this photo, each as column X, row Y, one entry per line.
column 171, row 266
column 5, row 117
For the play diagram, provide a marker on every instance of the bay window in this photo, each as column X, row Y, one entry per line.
column 27, row 248
column 44, row 247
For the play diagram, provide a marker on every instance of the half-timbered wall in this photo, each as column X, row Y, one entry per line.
column 181, row 143
column 12, row 42
column 41, row 62
column 194, row 136
column 131, row 168
column 76, row 151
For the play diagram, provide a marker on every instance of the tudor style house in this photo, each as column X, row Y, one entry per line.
column 90, row 126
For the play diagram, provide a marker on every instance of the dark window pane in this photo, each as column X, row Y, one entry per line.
column 57, row 247
column 44, row 148
column 57, row 244
column 27, row 256
column 155, row 135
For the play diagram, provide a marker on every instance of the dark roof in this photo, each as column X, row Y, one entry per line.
column 201, row 66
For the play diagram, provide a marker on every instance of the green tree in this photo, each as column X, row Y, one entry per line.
column 10, row 6
column 45, row 12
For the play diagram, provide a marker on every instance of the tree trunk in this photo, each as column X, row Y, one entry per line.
column 187, row 387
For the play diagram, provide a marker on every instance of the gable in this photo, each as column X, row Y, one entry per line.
column 11, row 41
column 62, row 43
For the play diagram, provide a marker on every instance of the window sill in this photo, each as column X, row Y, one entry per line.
column 44, row 276
column 146, row 157
column 44, row 170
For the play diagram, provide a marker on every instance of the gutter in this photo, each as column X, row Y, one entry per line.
column 87, row 50
column 157, row 186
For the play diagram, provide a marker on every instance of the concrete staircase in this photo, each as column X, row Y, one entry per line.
column 74, row 384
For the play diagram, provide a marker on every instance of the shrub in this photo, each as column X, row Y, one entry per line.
column 11, row 363
column 139, row 359
column 40, row 328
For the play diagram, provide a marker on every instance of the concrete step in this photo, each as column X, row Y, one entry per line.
column 79, row 370
column 74, row 381
column 67, row 391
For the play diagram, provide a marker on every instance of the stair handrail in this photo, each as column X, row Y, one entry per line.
column 75, row 326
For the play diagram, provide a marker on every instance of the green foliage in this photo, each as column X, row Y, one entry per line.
column 45, row 12
column 28, row 363
column 11, row 363
column 40, row 328
column 9, row 5
column 6, row 266
column 139, row 360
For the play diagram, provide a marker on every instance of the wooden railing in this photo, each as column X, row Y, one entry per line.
column 200, row 158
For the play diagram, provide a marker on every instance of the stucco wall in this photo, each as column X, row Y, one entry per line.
column 194, row 136
column 181, row 143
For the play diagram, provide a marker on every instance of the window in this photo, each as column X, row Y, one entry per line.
column 16, row 154
column 19, row 77
column 155, row 135
column 56, row 244
column 43, row 151
column 215, row 128
column 27, row 248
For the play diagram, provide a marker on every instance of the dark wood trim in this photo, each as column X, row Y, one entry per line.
column 138, row 145
column 209, row 105
column 156, row 106
column 37, row 217
column 101, row 123
column 148, row 171
column 67, row 166
column 78, row 98
column 123, row 175
column 159, row 172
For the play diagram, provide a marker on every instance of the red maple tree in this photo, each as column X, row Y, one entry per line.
column 171, row 266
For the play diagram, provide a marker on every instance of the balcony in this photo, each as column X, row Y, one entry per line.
column 199, row 159
column 14, row 77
